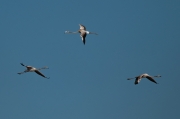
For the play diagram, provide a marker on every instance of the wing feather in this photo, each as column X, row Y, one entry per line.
column 39, row 73
column 151, row 79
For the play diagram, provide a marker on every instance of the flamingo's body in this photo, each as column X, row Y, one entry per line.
column 82, row 32
column 145, row 75
column 33, row 69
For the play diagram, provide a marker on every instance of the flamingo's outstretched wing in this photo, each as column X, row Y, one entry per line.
column 158, row 76
column 151, row 79
column 39, row 73
column 138, row 79
column 70, row 32
column 93, row 33
column 130, row 78
column 43, row 68
column 22, row 72
column 23, row 64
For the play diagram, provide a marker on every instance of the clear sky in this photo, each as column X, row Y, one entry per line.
column 90, row 81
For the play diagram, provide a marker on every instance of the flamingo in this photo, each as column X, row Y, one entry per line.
column 145, row 75
column 82, row 32
column 33, row 69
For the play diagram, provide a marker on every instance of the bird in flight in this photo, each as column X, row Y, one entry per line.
column 33, row 69
column 82, row 32
column 145, row 75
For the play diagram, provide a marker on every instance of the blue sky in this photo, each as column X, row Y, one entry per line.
column 89, row 81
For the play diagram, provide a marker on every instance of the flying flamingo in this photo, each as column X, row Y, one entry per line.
column 33, row 69
column 82, row 32
column 145, row 75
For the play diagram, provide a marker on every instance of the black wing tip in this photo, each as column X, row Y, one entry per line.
column 158, row 76
column 22, row 64
column 129, row 78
